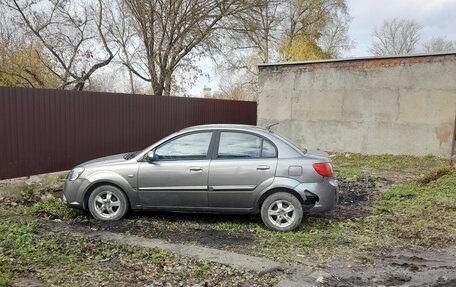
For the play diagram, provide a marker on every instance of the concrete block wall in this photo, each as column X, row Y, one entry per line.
column 398, row 105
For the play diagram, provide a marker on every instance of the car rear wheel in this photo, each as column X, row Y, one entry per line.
column 281, row 211
column 108, row 203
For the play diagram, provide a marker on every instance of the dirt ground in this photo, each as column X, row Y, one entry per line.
column 393, row 268
column 240, row 233
column 401, row 268
column 355, row 197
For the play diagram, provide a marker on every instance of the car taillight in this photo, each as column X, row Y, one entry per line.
column 323, row 169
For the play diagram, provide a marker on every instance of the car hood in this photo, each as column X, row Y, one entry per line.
column 107, row 160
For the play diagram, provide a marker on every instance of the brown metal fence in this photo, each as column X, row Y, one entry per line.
column 50, row 130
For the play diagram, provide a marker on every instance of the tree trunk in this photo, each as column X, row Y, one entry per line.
column 168, row 81
column 157, row 89
column 132, row 84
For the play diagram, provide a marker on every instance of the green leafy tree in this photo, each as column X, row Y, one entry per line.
column 21, row 64
column 303, row 49
column 311, row 21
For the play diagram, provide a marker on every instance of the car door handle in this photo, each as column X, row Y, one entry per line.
column 263, row 167
column 196, row 168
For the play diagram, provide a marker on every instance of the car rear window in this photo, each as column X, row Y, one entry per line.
column 290, row 143
column 244, row 145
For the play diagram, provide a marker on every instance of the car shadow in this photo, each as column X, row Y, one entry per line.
column 222, row 231
column 202, row 218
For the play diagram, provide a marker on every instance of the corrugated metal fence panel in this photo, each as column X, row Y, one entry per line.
column 50, row 130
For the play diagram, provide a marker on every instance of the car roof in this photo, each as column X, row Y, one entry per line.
column 226, row 126
column 287, row 149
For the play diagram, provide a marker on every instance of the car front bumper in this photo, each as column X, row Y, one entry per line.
column 73, row 192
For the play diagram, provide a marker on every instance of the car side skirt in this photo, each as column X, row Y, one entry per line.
column 199, row 209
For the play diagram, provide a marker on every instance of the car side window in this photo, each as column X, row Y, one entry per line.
column 244, row 145
column 188, row 147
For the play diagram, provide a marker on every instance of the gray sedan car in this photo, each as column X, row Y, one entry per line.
column 209, row 168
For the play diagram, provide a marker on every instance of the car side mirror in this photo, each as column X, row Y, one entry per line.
column 150, row 155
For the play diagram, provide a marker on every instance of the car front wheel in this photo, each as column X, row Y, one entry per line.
column 108, row 203
column 281, row 211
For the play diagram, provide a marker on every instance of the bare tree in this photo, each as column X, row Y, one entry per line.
column 259, row 34
column 172, row 31
column 256, row 30
column 249, row 38
column 278, row 25
column 439, row 44
column 122, row 33
column 71, row 33
column 334, row 38
column 396, row 37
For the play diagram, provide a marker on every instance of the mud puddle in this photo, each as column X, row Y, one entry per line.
column 437, row 268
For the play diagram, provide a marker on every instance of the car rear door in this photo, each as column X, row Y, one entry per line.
column 242, row 163
column 178, row 175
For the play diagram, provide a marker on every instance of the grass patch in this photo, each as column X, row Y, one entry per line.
column 202, row 268
column 358, row 165
column 410, row 215
column 29, row 250
column 434, row 175
column 53, row 208
column 235, row 226
column 353, row 173
column 24, row 249
column 422, row 214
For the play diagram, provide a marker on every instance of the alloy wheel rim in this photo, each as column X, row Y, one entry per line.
column 281, row 213
column 107, row 204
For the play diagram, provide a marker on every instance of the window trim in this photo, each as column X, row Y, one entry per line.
column 214, row 155
column 209, row 151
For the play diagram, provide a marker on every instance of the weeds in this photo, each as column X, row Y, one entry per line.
column 357, row 165
column 424, row 215
column 409, row 215
column 54, row 207
column 202, row 268
column 414, row 214
column 434, row 175
column 354, row 173
column 27, row 248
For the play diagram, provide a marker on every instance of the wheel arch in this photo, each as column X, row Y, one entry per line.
column 97, row 184
column 282, row 184
column 276, row 190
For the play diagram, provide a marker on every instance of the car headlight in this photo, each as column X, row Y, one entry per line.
column 75, row 173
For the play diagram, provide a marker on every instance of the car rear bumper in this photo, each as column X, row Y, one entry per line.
column 326, row 192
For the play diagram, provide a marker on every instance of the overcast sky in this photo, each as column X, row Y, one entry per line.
column 438, row 18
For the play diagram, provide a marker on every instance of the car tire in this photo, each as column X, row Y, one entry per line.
column 282, row 211
column 108, row 203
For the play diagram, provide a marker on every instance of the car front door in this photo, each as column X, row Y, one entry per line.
column 178, row 174
column 243, row 162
